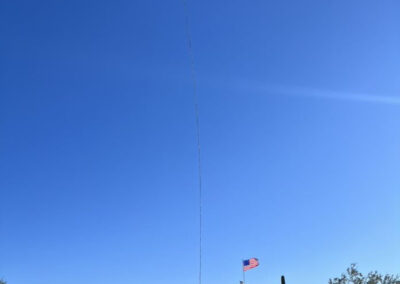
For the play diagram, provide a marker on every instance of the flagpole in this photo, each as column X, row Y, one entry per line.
column 244, row 279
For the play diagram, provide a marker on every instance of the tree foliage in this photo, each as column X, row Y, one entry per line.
column 2, row 281
column 353, row 276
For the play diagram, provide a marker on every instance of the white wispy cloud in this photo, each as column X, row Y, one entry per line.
column 329, row 94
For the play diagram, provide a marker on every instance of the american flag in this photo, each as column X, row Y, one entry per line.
column 250, row 263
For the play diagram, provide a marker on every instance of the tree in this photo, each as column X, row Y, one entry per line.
column 353, row 276
column 3, row 282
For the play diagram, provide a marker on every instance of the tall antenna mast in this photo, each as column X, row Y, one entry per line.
column 196, row 109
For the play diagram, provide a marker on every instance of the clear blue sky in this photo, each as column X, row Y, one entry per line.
column 300, row 115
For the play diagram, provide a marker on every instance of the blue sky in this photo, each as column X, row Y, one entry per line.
column 299, row 113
